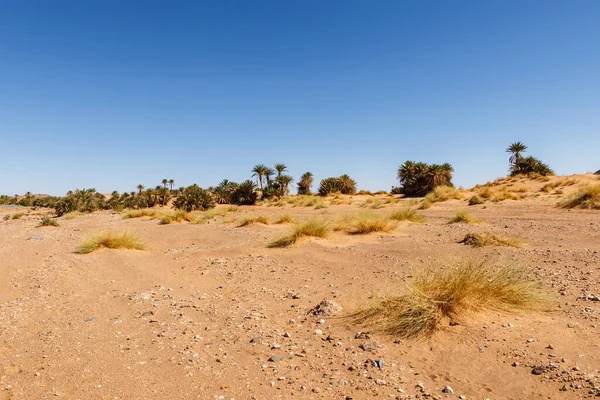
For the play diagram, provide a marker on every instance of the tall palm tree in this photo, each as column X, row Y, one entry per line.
column 516, row 149
column 280, row 168
column 268, row 173
column 259, row 171
column 140, row 188
column 284, row 182
column 164, row 182
column 171, row 183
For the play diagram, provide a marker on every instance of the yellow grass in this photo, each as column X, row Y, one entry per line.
column 450, row 293
column 145, row 212
column 365, row 222
column 315, row 227
column 47, row 221
column 71, row 215
column 587, row 196
column 463, row 217
column 18, row 215
column 109, row 240
column 407, row 214
column 490, row 239
column 254, row 220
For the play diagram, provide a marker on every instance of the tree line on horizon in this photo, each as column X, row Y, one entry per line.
column 416, row 180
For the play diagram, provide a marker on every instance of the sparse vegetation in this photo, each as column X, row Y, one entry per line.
column 177, row 216
column 520, row 165
column 463, row 217
column 305, row 183
column 450, row 293
column 587, row 197
column 407, row 214
column 47, row 221
column 489, row 239
column 315, row 227
column 443, row 193
column 194, row 198
column 109, row 240
column 18, row 215
column 285, row 219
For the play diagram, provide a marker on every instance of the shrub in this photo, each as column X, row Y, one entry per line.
column 418, row 178
column 586, row 197
column 475, row 200
column 139, row 213
column 285, row 219
column 109, row 240
column 488, row 239
column 315, row 227
column 530, row 165
column 464, row 217
column 18, row 215
column 245, row 194
column 194, row 198
column 177, row 216
column 342, row 184
column 305, row 183
column 47, row 221
column 449, row 294
column 407, row 214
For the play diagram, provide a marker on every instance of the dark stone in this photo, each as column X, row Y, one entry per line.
column 538, row 370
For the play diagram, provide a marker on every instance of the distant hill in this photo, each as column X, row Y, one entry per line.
column 597, row 172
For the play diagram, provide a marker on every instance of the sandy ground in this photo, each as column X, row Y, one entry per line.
column 208, row 312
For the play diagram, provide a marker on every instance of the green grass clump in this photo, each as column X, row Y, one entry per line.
column 407, row 214
column 587, row 197
column 365, row 222
column 489, row 239
column 254, row 220
column 47, row 221
column 109, row 240
column 450, row 293
column 315, row 227
column 464, row 217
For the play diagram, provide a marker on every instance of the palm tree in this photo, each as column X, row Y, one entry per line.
column 306, row 181
column 284, row 182
column 164, row 182
column 259, row 171
column 140, row 188
column 171, row 183
column 516, row 149
column 280, row 168
column 268, row 173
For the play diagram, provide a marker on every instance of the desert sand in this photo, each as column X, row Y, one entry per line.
column 209, row 312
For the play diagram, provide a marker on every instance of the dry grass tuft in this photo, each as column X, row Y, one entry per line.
column 489, row 239
column 475, row 200
column 586, row 197
column 18, row 215
column 315, row 227
column 177, row 216
column 254, row 220
column 464, row 217
column 285, row 219
column 71, row 215
column 47, row 221
column 407, row 214
column 145, row 212
column 443, row 193
column 109, row 240
column 365, row 222
column 450, row 293
column 425, row 204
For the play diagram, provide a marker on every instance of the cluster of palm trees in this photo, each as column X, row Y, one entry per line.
column 525, row 165
column 419, row 178
column 272, row 182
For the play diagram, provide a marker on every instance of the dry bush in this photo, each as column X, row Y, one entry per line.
column 18, row 215
column 501, row 195
column 443, row 193
column 285, row 219
column 315, row 227
column 109, row 240
column 587, row 196
column 146, row 212
column 233, row 209
column 71, row 215
column 490, row 239
column 47, row 221
column 475, row 200
column 450, row 293
column 261, row 219
column 364, row 223
column 463, row 217
column 210, row 214
column 407, row 214
column 425, row 204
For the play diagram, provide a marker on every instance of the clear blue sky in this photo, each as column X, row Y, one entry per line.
column 109, row 94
